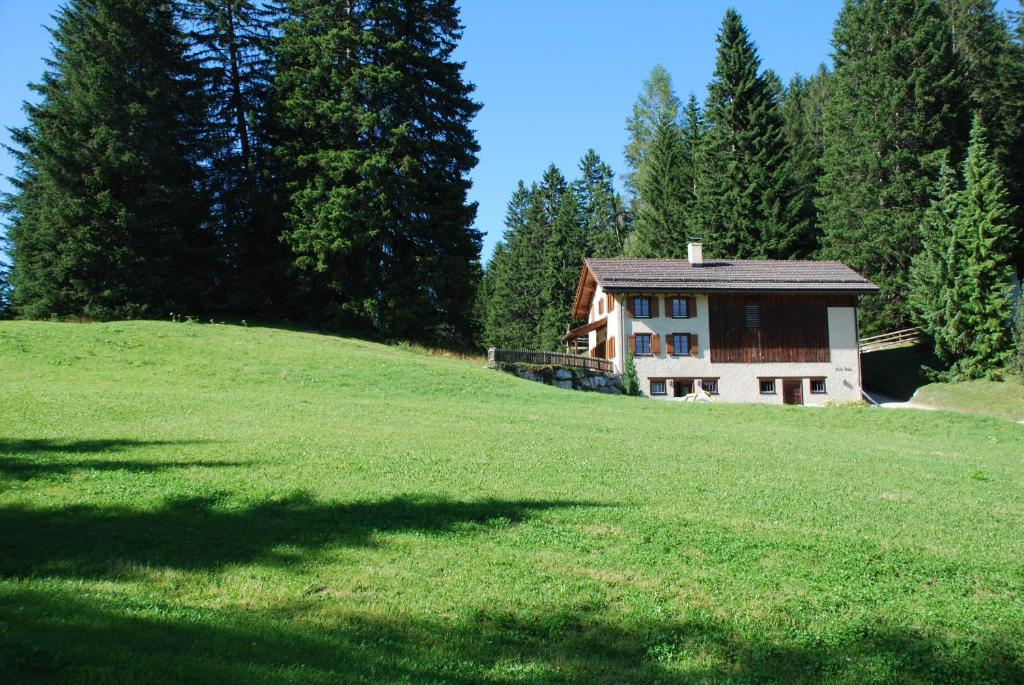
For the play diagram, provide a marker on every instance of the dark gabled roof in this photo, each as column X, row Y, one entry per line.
column 716, row 275
column 728, row 275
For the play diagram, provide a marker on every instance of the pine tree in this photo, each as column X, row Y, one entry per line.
column 106, row 215
column 376, row 146
column 895, row 109
column 601, row 207
column 656, row 103
column 660, row 225
column 748, row 205
column 5, row 290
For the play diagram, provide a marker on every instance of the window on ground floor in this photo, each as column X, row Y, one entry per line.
column 710, row 385
column 768, row 387
column 818, row 386
column 658, row 387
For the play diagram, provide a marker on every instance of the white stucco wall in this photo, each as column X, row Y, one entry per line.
column 741, row 382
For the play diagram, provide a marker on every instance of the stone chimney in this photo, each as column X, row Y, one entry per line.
column 695, row 253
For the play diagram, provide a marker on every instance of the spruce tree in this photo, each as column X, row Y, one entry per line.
column 656, row 103
column 376, row 147
column 801, row 115
column 106, row 217
column 748, row 203
column 233, row 40
column 660, row 225
column 983, row 226
column 994, row 67
column 601, row 208
column 564, row 253
column 895, row 109
column 630, row 379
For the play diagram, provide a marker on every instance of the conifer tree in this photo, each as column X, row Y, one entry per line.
column 564, row 253
column 376, row 147
column 748, row 202
column 895, row 109
column 801, row 114
column 601, row 207
column 660, row 225
column 106, row 217
column 630, row 379
column 233, row 40
column 994, row 66
column 656, row 103
column 983, row 226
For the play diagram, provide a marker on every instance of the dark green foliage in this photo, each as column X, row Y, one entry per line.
column 994, row 66
column 602, row 209
column 106, row 217
column 656, row 103
column 564, row 253
column 5, row 290
column 376, row 148
column 962, row 279
column 525, row 300
column 233, row 41
column 1017, row 360
column 630, row 379
column 748, row 203
column 802, row 106
column 664, row 197
column 895, row 108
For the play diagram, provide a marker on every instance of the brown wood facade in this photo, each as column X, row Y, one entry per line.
column 787, row 328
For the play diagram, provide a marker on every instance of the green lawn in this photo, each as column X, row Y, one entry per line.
column 241, row 505
column 1004, row 399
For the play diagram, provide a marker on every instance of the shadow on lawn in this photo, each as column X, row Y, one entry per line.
column 196, row 534
column 37, row 458
column 66, row 639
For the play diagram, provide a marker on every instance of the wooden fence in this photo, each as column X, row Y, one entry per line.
column 539, row 358
column 903, row 338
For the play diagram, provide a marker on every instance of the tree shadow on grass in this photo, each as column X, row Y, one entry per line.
column 196, row 533
column 40, row 458
column 61, row 638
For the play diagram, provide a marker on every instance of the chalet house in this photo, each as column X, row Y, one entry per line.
column 742, row 330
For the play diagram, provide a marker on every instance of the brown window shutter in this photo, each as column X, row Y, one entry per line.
column 669, row 350
column 693, row 344
column 629, row 306
column 610, row 348
column 655, row 344
column 654, row 306
column 691, row 307
column 611, row 302
column 632, row 343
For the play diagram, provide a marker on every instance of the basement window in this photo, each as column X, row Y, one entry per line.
column 818, row 386
column 658, row 387
column 710, row 385
column 768, row 387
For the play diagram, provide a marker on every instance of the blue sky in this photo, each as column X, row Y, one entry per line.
column 555, row 76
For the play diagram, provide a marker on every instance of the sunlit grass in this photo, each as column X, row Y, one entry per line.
column 204, row 503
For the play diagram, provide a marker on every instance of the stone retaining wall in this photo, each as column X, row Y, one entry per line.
column 567, row 378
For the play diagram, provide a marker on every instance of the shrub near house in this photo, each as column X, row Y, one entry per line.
column 743, row 330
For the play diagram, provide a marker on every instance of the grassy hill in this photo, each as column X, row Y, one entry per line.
column 202, row 503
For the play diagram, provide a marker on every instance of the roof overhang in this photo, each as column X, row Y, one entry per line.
column 774, row 289
column 585, row 289
column 585, row 329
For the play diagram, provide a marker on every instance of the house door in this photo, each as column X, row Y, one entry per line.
column 681, row 387
column 793, row 392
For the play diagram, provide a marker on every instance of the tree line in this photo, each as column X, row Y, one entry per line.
column 301, row 159
column 905, row 160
